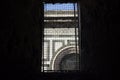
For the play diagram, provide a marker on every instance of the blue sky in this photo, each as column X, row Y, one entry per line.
column 57, row 6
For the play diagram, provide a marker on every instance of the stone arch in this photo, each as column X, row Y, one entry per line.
column 62, row 53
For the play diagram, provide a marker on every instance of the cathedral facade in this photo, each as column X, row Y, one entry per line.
column 60, row 40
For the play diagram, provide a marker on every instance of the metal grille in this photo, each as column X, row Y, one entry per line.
column 60, row 44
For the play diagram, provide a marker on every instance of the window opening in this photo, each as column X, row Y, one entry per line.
column 60, row 43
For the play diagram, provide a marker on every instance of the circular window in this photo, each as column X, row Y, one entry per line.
column 66, row 59
column 69, row 62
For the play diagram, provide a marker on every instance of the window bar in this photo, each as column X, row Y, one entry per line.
column 75, row 32
column 43, row 42
column 79, row 33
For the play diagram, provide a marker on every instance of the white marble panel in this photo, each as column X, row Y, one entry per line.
column 46, row 50
column 58, row 45
column 59, row 31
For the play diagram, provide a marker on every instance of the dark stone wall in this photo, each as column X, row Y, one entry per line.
column 94, row 39
column 21, row 37
column 99, row 22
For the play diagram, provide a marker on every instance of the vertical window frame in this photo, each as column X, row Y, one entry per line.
column 79, row 35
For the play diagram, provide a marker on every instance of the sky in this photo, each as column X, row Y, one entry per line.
column 57, row 6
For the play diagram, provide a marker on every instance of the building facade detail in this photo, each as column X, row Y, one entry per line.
column 60, row 37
